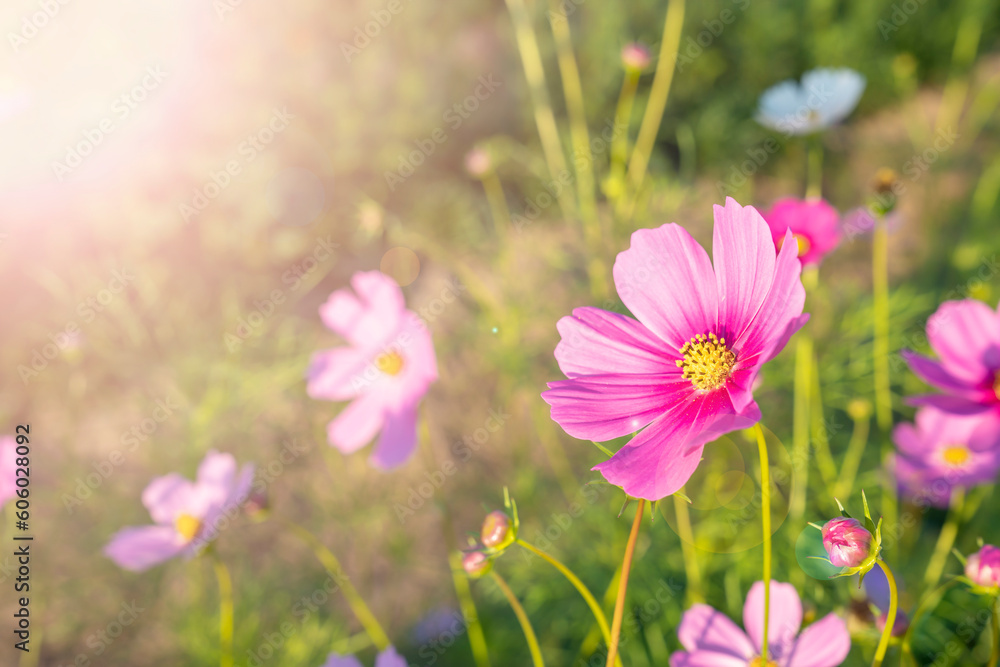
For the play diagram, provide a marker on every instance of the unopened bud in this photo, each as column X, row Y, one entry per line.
column 983, row 567
column 847, row 542
column 478, row 162
column 497, row 532
column 476, row 564
column 635, row 57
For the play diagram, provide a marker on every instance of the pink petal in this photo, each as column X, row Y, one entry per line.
column 785, row 616
column 908, row 440
column 933, row 373
column 603, row 407
column 597, row 342
column 338, row 374
column 167, row 497
column 659, row 460
column 370, row 319
column 705, row 659
column 703, row 628
column 143, row 547
column 825, row 643
column 398, row 439
column 744, row 259
column 953, row 404
column 666, row 280
column 961, row 333
column 357, row 424
column 814, row 219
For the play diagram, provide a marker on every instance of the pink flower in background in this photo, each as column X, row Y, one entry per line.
column 387, row 658
column 983, row 567
column 685, row 368
column 8, row 456
column 710, row 639
column 185, row 513
column 815, row 224
column 385, row 370
column 966, row 337
column 943, row 450
column 847, row 542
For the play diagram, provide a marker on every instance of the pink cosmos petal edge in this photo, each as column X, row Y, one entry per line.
column 814, row 222
column 623, row 373
column 187, row 515
column 384, row 371
column 711, row 639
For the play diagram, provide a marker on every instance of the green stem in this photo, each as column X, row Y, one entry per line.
column 819, row 437
column 852, row 459
column 477, row 639
column 814, row 184
column 498, row 205
column 522, row 618
column 354, row 599
column 800, row 426
column 225, row 611
column 588, row 597
column 890, row 617
column 995, row 624
column 946, row 539
column 880, row 302
column 616, row 621
column 691, row 567
column 765, row 510
column 619, row 138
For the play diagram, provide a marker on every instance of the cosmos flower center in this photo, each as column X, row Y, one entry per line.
column 760, row 661
column 707, row 361
column 389, row 363
column 996, row 385
column 188, row 526
column 804, row 243
column 955, row 455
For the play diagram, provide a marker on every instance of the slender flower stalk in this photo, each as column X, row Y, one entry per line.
column 619, row 141
column 354, row 599
column 225, row 611
column 498, row 205
column 855, row 449
column 691, row 567
column 522, row 618
column 814, row 158
column 800, row 426
column 946, row 539
column 616, row 621
column 765, row 516
column 477, row 640
column 588, row 597
column 880, row 295
column 995, row 625
column 890, row 618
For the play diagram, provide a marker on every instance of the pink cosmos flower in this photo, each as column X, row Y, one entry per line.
column 710, row 639
column 815, row 224
column 385, row 370
column 8, row 456
column 966, row 337
column 387, row 658
column 186, row 514
column 846, row 541
column 685, row 368
column 945, row 450
column 983, row 567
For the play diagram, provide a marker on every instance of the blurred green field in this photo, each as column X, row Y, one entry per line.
column 217, row 317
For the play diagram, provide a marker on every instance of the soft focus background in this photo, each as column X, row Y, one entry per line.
column 135, row 273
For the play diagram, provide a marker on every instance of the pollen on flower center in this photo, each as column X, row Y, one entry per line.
column 707, row 361
column 760, row 661
column 804, row 243
column 188, row 526
column 996, row 385
column 389, row 363
column 955, row 455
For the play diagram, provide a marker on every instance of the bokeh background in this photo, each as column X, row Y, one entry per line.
column 137, row 273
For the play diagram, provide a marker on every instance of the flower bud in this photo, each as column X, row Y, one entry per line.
column 497, row 533
column 476, row 564
column 635, row 57
column 478, row 163
column 983, row 567
column 257, row 506
column 847, row 542
column 859, row 408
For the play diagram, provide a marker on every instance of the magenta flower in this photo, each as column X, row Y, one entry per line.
column 815, row 224
column 983, row 567
column 710, row 639
column 685, row 368
column 187, row 515
column 636, row 56
column 847, row 542
column 384, row 372
column 8, row 457
column 387, row 658
column 966, row 337
column 945, row 450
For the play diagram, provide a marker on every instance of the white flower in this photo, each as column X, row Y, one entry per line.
column 825, row 97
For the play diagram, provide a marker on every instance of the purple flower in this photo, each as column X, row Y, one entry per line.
column 945, row 450
column 685, row 367
column 983, row 567
column 387, row 658
column 8, row 456
column 877, row 587
column 966, row 337
column 710, row 639
column 847, row 542
column 385, row 370
column 185, row 513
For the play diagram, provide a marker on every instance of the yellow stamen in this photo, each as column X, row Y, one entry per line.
column 996, row 384
column 804, row 243
column 188, row 526
column 707, row 361
column 759, row 661
column 955, row 455
column 389, row 363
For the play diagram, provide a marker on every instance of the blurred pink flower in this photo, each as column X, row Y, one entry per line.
column 815, row 224
column 8, row 456
column 847, row 542
column 185, row 513
column 685, row 367
column 983, row 567
column 636, row 56
column 966, row 337
column 387, row 658
column 385, row 370
column 710, row 639
column 943, row 451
